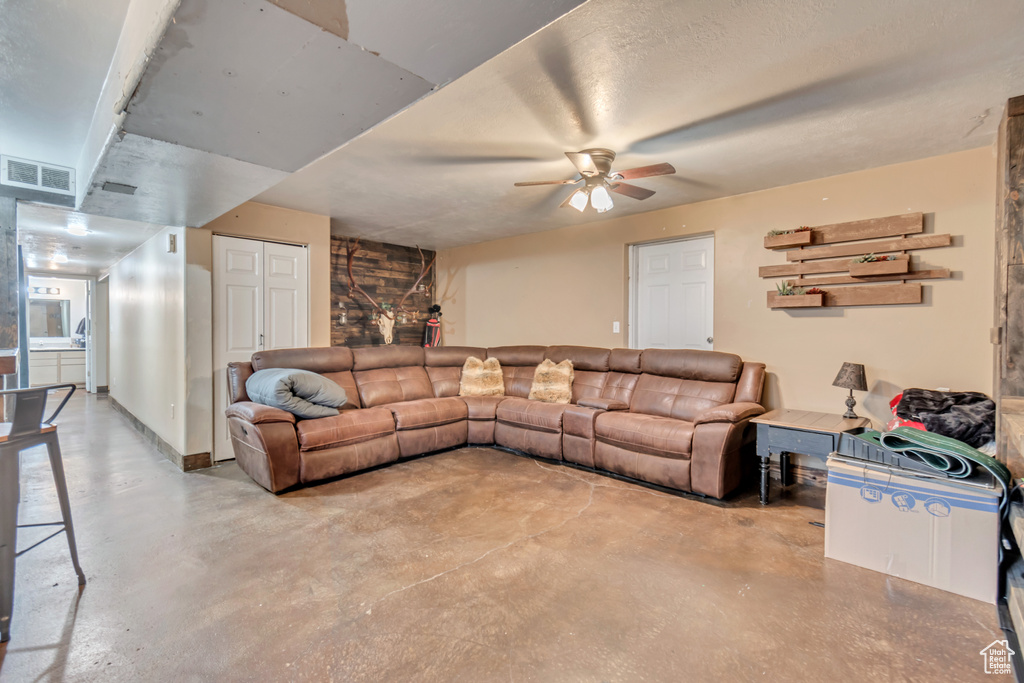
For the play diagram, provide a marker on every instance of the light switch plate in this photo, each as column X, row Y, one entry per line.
column 615, row 327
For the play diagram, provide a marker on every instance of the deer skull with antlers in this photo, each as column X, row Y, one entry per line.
column 386, row 318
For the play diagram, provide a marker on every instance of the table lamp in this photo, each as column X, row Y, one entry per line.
column 851, row 376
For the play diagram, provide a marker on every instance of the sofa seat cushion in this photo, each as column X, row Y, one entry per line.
column 348, row 428
column 535, row 415
column 661, row 436
column 427, row 412
column 482, row 407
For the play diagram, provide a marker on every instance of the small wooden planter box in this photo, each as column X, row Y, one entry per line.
column 793, row 239
column 795, row 300
column 897, row 267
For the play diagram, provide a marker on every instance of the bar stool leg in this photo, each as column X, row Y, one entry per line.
column 10, row 492
column 57, row 466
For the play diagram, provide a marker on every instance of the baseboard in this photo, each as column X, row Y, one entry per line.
column 185, row 463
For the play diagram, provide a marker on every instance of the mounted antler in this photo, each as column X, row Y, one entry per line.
column 386, row 319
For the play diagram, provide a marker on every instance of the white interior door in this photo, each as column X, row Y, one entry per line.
column 673, row 294
column 260, row 301
column 285, row 296
column 237, row 321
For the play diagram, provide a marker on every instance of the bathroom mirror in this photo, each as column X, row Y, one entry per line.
column 49, row 318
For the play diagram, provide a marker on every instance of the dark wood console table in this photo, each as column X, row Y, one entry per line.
column 798, row 431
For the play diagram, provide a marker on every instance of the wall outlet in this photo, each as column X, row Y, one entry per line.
column 615, row 327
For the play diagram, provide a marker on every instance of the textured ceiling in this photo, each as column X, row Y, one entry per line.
column 257, row 89
column 737, row 96
column 42, row 233
column 54, row 56
column 410, row 120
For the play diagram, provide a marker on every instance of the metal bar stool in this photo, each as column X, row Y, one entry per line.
column 25, row 430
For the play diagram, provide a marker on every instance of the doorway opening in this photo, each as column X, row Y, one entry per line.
column 672, row 294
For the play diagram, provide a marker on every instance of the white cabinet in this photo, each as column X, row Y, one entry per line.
column 72, row 367
column 56, row 367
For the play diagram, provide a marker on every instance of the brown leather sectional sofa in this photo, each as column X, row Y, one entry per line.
column 675, row 418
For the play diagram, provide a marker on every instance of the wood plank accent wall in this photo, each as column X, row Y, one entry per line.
column 8, row 273
column 8, row 290
column 386, row 272
column 1008, row 335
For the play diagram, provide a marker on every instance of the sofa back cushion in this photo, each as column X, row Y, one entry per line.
column 619, row 386
column 391, row 385
column 625, row 360
column 705, row 366
column 518, row 364
column 375, row 357
column 333, row 362
column 444, row 366
column 388, row 374
column 582, row 357
column 682, row 399
column 590, row 367
column 320, row 360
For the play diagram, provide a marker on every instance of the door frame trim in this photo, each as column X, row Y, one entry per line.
column 634, row 266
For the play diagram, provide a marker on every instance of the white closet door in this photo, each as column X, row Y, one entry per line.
column 286, row 296
column 237, row 321
column 674, row 294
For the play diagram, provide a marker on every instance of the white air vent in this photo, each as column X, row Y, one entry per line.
column 34, row 175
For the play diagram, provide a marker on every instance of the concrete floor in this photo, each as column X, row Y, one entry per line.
column 471, row 565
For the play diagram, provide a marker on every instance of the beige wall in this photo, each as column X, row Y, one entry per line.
column 567, row 286
column 147, row 336
column 264, row 222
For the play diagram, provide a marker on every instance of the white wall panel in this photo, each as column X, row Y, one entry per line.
column 147, row 336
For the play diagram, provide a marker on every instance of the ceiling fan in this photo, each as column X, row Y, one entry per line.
column 598, row 179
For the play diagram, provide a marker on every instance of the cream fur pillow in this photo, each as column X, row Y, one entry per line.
column 481, row 378
column 552, row 383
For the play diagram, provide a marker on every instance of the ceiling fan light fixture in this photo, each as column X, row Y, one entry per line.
column 578, row 200
column 600, row 199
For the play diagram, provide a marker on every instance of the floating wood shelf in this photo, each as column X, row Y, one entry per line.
column 884, row 247
column 827, row 258
column 901, row 264
column 792, row 239
column 874, row 295
column 937, row 274
column 776, row 300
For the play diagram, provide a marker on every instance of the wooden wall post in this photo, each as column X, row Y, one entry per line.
column 1008, row 335
column 8, row 286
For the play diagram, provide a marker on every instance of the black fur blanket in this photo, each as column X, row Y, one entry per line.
column 966, row 415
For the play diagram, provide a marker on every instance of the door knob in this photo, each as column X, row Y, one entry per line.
column 711, row 340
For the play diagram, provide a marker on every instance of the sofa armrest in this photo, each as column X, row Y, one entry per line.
column 603, row 403
column 730, row 412
column 256, row 413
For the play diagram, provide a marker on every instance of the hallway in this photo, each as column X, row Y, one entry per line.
column 469, row 565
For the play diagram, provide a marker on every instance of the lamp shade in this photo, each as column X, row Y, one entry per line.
column 851, row 376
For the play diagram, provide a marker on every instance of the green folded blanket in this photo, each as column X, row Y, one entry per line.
column 954, row 458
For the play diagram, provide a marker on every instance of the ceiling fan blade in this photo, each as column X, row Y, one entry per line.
column 548, row 182
column 646, row 171
column 583, row 163
column 631, row 190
